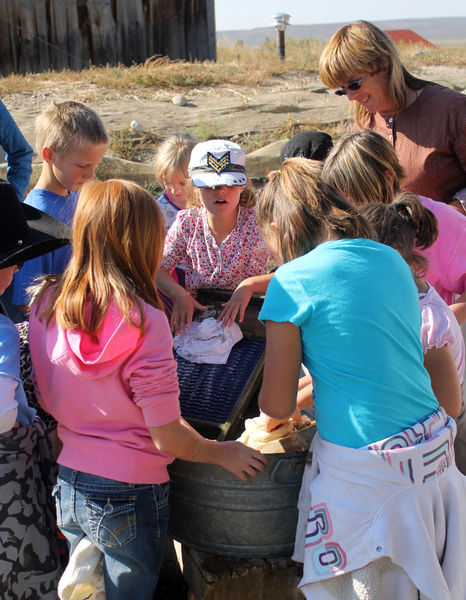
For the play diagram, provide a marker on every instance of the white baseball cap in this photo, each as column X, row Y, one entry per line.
column 217, row 162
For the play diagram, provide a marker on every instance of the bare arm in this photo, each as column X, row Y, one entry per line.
column 277, row 397
column 458, row 308
column 304, row 398
column 444, row 379
column 240, row 298
column 180, row 440
column 457, row 205
column 183, row 303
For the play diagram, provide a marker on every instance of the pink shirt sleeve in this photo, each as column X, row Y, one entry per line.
column 447, row 255
column 152, row 374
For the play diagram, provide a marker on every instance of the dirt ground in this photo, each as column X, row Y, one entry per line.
column 221, row 110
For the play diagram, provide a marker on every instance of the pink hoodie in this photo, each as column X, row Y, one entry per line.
column 105, row 395
column 447, row 255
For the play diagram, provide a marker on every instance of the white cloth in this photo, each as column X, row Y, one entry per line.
column 256, row 436
column 83, row 577
column 440, row 328
column 402, row 498
column 379, row 580
column 207, row 341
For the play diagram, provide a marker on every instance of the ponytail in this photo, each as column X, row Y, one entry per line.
column 423, row 220
column 405, row 225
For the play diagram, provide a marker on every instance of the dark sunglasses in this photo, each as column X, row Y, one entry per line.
column 353, row 86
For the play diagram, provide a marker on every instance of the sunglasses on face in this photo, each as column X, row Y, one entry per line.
column 353, row 86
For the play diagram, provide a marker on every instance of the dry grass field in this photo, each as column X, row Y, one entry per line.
column 236, row 65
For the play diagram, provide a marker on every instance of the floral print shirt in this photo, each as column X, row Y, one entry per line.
column 242, row 253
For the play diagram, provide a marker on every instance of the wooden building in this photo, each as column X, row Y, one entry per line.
column 37, row 35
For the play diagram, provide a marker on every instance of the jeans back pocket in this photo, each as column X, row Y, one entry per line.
column 112, row 521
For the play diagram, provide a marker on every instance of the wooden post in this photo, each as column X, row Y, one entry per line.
column 102, row 32
column 65, row 39
column 211, row 32
column 174, row 28
column 74, row 36
column 131, row 33
column 9, row 62
column 281, row 44
column 31, row 29
column 200, row 31
column 149, row 19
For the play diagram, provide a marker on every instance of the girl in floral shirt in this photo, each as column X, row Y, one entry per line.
column 219, row 239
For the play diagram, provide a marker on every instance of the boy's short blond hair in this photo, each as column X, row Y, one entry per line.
column 66, row 125
column 173, row 156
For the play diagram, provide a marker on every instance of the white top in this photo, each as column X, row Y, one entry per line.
column 440, row 328
column 402, row 498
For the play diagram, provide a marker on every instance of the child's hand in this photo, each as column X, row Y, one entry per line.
column 240, row 459
column 183, row 308
column 270, row 423
column 236, row 304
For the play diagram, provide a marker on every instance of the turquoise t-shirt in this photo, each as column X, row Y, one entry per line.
column 357, row 306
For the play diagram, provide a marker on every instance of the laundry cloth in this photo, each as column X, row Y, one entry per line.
column 83, row 577
column 207, row 341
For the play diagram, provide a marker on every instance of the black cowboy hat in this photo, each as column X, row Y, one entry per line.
column 25, row 231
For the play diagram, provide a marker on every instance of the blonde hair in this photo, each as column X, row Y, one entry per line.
column 64, row 126
column 359, row 48
column 118, row 237
column 305, row 209
column 364, row 168
column 173, row 156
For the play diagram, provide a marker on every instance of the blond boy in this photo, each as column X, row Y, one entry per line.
column 71, row 140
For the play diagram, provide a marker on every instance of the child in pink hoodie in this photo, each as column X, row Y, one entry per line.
column 101, row 349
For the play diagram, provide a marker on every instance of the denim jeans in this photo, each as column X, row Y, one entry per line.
column 126, row 521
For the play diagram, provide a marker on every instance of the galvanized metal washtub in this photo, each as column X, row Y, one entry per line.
column 213, row 511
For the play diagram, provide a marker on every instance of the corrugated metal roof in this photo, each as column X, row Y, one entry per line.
column 408, row 36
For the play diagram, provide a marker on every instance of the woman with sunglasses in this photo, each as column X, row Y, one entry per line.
column 425, row 122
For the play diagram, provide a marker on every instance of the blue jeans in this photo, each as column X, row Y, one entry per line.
column 126, row 521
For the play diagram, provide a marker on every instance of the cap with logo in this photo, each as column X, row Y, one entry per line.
column 217, row 162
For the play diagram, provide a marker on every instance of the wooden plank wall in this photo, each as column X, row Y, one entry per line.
column 37, row 35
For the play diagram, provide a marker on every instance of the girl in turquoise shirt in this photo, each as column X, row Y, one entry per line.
column 382, row 460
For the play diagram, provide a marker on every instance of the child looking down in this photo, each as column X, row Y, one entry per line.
column 71, row 140
column 218, row 238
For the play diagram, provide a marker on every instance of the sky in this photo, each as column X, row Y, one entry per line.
column 248, row 14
